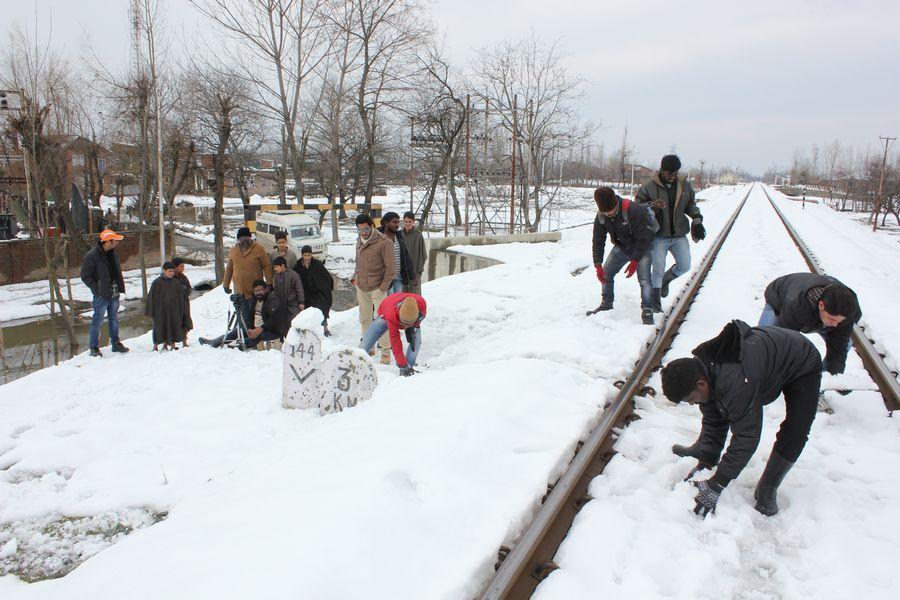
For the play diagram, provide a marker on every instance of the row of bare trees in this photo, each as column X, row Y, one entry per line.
column 849, row 179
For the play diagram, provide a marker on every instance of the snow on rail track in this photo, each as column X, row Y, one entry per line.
column 839, row 526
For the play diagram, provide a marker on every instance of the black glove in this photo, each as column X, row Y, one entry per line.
column 227, row 290
column 698, row 232
column 701, row 466
column 411, row 338
column 708, row 493
column 407, row 371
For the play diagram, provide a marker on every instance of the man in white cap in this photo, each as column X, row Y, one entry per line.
column 102, row 273
column 396, row 313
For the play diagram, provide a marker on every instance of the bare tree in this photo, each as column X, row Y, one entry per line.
column 220, row 98
column 532, row 72
column 280, row 45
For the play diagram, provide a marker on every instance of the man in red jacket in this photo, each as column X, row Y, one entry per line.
column 398, row 312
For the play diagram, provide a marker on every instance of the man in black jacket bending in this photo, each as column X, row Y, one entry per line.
column 810, row 303
column 631, row 231
column 731, row 377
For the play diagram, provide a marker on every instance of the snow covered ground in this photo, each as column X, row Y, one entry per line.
column 839, row 527
column 406, row 496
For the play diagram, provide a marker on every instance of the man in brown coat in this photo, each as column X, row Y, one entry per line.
column 373, row 276
column 247, row 262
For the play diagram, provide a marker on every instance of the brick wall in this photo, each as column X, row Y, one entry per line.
column 22, row 261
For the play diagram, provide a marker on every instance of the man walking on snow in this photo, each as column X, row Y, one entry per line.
column 399, row 312
column 631, row 231
column 373, row 276
column 731, row 377
column 102, row 273
column 403, row 266
column 672, row 199
column 811, row 303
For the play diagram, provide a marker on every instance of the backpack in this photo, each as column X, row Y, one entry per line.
column 653, row 224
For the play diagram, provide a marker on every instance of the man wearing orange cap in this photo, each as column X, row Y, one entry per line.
column 101, row 272
column 398, row 312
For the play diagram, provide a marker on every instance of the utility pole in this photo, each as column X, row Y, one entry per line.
column 887, row 144
column 702, row 162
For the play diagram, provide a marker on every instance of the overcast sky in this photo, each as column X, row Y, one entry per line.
column 725, row 82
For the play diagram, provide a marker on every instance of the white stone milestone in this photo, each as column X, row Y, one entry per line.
column 347, row 378
column 302, row 354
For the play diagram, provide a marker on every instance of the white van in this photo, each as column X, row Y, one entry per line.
column 301, row 229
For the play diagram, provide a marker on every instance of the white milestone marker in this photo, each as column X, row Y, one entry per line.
column 302, row 370
column 347, row 378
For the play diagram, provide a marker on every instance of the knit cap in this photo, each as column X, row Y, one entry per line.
column 409, row 310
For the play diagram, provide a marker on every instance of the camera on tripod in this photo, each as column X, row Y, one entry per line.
column 236, row 300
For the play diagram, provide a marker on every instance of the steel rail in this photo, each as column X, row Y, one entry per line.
column 524, row 566
column 872, row 360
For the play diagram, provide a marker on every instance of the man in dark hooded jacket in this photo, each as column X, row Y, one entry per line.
column 318, row 283
column 404, row 272
column 165, row 303
column 811, row 303
column 731, row 377
column 631, row 232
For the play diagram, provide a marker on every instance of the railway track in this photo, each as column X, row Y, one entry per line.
column 520, row 569
column 872, row 360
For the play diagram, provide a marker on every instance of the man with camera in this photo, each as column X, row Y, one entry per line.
column 266, row 324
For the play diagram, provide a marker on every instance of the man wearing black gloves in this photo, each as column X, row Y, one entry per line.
column 631, row 228
column 731, row 377
column 810, row 303
column 672, row 198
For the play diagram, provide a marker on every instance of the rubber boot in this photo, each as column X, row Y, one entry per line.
column 605, row 305
column 668, row 276
column 657, row 303
column 646, row 316
column 767, row 488
column 693, row 450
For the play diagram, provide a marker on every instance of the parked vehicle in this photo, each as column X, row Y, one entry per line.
column 302, row 230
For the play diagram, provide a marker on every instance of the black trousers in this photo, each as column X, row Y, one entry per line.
column 801, row 397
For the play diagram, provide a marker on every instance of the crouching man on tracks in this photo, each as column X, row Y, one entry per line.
column 731, row 377
column 396, row 313
column 631, row 229
column 811, row 303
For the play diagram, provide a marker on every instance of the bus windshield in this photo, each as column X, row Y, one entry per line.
column 304, row 231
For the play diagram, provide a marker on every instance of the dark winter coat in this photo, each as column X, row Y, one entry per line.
column 318, row 284
column 99, row 270
column 747, row 368
column 289, row 290
column 787, row 296
column 415, row 244
column 407, row 270
column 165, row 303
column 272, row 315
column 188, row 321
column 632, row 233
column 680, row 203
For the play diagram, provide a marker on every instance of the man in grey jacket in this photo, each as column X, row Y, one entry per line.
column 672, row 199
column 415, row 245
column 731, row 377
column 288, row 289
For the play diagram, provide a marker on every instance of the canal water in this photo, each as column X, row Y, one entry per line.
column 33, row 345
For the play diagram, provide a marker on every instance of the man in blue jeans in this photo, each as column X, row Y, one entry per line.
column 811, row 303
column 399, row 312
column 672, row 199
column 102, row 273
column 631, row 231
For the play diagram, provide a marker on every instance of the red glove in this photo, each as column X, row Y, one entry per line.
column 631, row 269
column 600, row 274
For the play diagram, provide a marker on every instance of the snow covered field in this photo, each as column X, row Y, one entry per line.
column 410, row 494
column 839, row 527
column 427, row 479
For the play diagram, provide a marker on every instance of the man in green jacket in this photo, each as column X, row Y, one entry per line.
column 672, row 199
column 415, row 245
